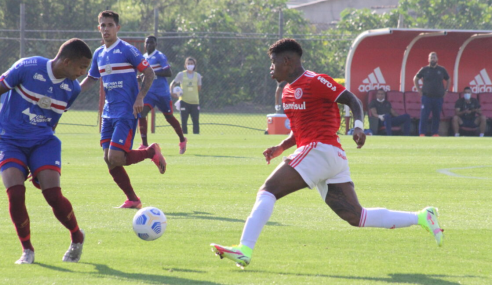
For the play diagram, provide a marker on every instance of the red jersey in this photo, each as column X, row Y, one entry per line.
column 309, row 103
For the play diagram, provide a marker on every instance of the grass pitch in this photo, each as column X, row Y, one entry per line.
column 208, row 193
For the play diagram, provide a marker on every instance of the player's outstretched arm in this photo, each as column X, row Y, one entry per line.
column 348, row 98
column 87, row 83
column 274, row 151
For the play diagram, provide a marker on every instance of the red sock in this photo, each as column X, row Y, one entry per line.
column 142, row 123
column 62, row 208
column 137, row 155
column 177, row 127
column 18, row 214
column 123, row 180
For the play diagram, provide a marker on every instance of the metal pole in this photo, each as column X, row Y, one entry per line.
column 280, row 24
column 22, row 30
column 156, row 21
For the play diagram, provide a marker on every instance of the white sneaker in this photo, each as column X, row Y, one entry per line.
column 74, row 251
column 27, row 257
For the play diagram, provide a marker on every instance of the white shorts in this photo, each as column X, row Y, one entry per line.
column 320, row 164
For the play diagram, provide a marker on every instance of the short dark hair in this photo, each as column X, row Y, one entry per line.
column 152, row 37
column 284, row 45
column 110, row 14
column 381, row 89
column 467, row 87
column 190, row 58
column 74, row 49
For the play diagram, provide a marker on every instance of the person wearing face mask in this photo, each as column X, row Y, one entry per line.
column 191, row 84
column 468, row 114
column 384, row 114
column 432, row 92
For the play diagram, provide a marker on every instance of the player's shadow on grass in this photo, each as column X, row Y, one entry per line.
column 105, row 271
column 421, row 279
column 209, row 216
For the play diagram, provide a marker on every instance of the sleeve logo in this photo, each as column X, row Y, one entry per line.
column 327, row 83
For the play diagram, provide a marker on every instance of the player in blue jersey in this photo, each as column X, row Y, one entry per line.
column 116, row 63
column 159, row 94
column 39, row 91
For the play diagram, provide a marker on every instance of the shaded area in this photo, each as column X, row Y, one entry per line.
column 422, row 279
column 209, row 216
column 104, row 270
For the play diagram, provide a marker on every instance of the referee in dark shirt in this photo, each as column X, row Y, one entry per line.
column 432, row 92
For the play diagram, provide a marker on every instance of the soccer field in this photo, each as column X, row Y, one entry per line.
column 208, row 193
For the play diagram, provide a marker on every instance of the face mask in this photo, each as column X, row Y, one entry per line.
column 190, row 67
column 467, row 96
column 380, row 100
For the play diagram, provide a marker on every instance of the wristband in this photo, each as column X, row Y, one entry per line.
column 358, row 124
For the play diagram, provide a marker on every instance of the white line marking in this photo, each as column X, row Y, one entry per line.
column 448, row 171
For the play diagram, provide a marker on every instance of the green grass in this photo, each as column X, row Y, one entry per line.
column 208, row 192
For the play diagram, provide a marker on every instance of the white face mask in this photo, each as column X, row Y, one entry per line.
column 380, row 100
column 190, row 67
column 467, row 96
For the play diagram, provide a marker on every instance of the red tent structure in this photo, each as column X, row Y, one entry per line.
column 390, row 58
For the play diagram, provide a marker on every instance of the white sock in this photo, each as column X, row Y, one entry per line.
column 481, row 135
column 262, row 210
column 384, row 218
column 457, row 135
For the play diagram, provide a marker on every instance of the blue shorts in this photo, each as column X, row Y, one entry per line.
column 164, row 103
column 42, row 155
column 118, row 133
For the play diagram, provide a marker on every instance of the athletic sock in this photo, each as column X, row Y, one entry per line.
column 62, row 208
column 137, row 155
column 177, row 127
column 142, row 123
column 123, row 181
column 262, row 210
column 18, row 214
column 384, row 218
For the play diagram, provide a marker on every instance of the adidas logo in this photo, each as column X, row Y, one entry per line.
column 375, row 80
column 481, row 83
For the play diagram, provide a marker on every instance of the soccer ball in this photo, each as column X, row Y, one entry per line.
column 149, row 223
column 178, row 91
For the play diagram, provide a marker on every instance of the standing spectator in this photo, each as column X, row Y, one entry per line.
column 159, row 94
column 39, row 91
column 116, row 63
column 381, row 108
column 191, row 83
column 432, row 93
column 468, row 114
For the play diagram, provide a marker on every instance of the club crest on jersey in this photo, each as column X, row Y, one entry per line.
column 298, row 93
column 108, row 68
column 44, row 102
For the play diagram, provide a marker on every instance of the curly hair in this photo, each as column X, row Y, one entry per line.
column 284, row 45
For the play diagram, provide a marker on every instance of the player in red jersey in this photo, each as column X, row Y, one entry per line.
column 310, row 103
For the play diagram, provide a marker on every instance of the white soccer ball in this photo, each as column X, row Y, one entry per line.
column 178, row 91
column 149, row 223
